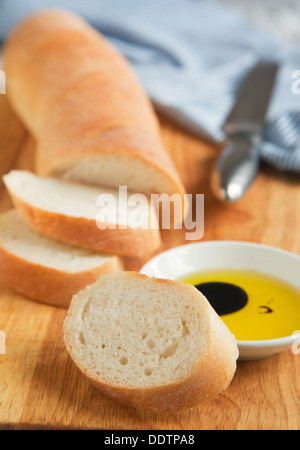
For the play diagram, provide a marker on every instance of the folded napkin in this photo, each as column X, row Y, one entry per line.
column 191, row 56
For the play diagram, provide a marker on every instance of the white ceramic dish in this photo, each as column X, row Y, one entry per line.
column 213, row 255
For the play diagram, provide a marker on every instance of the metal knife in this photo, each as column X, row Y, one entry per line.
column 238, row 163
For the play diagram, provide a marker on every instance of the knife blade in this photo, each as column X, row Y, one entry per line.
column 238, row 163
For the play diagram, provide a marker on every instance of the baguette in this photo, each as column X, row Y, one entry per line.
column 43, row 269
column 68, row 212
column 156, row 345
column 88, row 112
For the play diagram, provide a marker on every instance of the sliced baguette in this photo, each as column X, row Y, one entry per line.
column 86, row 108
column 68, row 212
column 153, row 344
column 44, row 269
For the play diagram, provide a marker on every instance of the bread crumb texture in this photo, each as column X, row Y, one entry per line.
column 136, row 331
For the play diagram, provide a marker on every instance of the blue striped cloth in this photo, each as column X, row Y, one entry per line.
column 191, row 56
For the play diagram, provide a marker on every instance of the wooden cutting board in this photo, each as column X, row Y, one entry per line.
column 39, row 385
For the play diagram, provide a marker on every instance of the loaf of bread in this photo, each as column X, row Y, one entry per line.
column 86, row 108
column 70, row 212
column 152, row 344
column 44, row 269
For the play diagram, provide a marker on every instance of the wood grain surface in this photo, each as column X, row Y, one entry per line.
column 39, row 385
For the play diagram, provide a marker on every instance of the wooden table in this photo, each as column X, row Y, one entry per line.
column 39, row 385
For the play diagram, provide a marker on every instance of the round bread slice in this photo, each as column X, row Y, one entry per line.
column 153, row 344
column 71, row 212
column 44, row 269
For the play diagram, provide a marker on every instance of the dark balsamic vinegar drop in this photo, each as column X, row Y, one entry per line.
column 225, row 298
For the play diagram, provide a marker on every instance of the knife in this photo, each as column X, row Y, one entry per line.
column 238, row 163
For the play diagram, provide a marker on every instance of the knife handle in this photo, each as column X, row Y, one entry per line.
column 236, row 167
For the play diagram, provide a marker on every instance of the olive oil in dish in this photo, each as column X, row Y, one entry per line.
column 253, row 305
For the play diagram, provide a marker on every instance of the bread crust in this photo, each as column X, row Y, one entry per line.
column 85, row 233
column 46, row 284
column 211, row 375
column 79, row 96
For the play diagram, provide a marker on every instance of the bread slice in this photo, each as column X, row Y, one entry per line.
column 68, row 212
column 79, row 97
column 44, row 269
column 153, row 344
